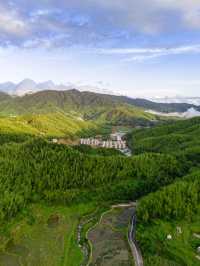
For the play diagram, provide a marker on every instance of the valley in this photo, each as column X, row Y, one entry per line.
column 64, row 198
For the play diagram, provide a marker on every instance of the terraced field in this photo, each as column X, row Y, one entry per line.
column 109, row 239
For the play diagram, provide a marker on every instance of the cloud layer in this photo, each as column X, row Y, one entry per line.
column 64, row 23
column 92, row 40
column 141, row 54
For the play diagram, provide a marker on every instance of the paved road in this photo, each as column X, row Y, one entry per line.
column 124, row 205
column 131, row 235
column 133, row 245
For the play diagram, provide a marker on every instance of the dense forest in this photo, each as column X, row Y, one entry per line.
column 85, row 149
column 172, row 210
column 37, row 170
column 169, row 138
column 181, row 140
column 176, row 201
column 33, row 169
column 162, row 175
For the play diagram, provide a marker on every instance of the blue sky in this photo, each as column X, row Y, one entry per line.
column 143, row 48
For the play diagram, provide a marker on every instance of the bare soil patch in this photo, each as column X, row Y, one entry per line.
column 109, row 239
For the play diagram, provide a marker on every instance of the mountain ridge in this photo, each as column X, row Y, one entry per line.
column 73, row 99
column 29, row 86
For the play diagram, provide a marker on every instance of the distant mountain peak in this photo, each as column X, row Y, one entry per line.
column 28, row 86
column 25, row 86
column 27, row 82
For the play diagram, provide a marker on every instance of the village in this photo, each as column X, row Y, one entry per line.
column 116, row 141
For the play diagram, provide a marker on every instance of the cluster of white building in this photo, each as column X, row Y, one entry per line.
column 115, row 142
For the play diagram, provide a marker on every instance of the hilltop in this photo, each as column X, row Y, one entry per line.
column 61, row 113
column 49, row 100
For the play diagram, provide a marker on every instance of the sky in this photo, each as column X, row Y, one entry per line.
column 146, row 48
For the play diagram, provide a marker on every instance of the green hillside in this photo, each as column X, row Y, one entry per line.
column 46, row 125
column 172, row 137
column 64, row 113
column 173, row 210
column 55, row 115
column 62, row 124
column 122, row 115
column 175, row 206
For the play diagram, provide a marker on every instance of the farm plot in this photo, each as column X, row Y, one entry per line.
column 109, row 239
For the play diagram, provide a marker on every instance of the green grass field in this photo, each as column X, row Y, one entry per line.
column 45, row 236
column 181, row 250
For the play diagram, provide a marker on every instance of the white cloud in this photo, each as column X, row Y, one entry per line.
column 94, row 22
column 126, row 51
column 141, row 54
column 11, row 23
column 140, row 58
column 188, row 9
column 153, row 16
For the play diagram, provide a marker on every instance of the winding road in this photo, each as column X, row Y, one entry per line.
column 133, row 245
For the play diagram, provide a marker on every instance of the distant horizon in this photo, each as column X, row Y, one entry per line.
column 87, row 87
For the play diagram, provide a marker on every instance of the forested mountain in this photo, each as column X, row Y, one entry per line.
column 46, row 101
column 60, row 113
column 34, row 113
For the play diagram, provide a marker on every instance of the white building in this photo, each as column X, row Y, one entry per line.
column 169, row 237
column 116, row 144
